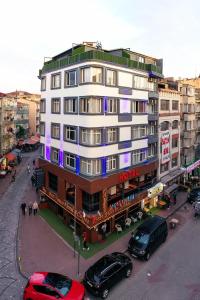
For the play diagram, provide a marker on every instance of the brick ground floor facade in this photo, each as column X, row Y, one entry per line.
column 93, row 202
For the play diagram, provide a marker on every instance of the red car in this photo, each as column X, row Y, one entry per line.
column 49, row 286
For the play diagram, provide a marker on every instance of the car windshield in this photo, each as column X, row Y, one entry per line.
column 141, row 237
column 60, row 282
column 97, row 270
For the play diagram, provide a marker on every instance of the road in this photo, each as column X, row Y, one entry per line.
column 172, row 273
column 11, row 282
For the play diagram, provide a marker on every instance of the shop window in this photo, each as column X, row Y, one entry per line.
column 91, row 203
column 70, row 192
column 53, row 182
column 164, row 167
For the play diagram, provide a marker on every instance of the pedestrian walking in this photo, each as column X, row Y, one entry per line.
column 28, row 169
column 85, row 240
column 103, row 230
column 30, row 207
column 174, row 198
column 33, row 180
column 34, row 162
column 23, row 208
column 35, row 207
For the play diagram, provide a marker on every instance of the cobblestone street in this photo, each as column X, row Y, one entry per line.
column 11, row 281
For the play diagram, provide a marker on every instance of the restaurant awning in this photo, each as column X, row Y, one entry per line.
column 31, row 142
column 172, row 175
column 10, row 156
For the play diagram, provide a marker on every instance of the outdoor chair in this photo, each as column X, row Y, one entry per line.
column 118, row 228
column 128, row 222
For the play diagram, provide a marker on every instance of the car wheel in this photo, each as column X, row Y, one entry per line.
column 128, row 273
column 147, row 256
column 105, row 294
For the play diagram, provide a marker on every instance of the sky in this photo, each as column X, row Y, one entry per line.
column 34, row 29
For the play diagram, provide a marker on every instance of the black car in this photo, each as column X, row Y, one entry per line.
column 194, row 195
column 148, row 237
column 106, row 272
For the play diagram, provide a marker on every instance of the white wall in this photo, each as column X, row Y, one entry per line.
column 125, row 134
column 125, row 160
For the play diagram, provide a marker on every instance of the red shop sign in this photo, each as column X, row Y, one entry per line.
column 127, row 175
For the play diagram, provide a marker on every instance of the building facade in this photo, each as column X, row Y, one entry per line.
column 8, row 109
column 169, row 135
column 98, row 154
column 33, row 101
column 22, row 120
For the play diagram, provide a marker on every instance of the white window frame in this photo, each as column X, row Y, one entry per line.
column 112, row 135
column 67, row 132
column 112, row 104
column 90, row 74
column 111, row 77
column 139, row 131
column 55, row 105
column 91, row 167
column 55, row 155
column 67, row 160
column 91, row 105
column 55, row 131
column 70, row 105
column 139, row 156
column 43, row 83
column 42, row 128
column 111, row 163
column 68, row 78
column 91, row 136
column 140, row 82
column 42, row 105
column 56, row 81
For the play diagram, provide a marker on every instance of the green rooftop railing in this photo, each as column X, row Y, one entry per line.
column 98, row 55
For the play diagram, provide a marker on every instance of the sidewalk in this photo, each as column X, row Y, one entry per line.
column 41, row 249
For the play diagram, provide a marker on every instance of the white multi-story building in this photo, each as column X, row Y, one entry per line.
column 96, row 154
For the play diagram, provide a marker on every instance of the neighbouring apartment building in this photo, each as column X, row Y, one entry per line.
column 22, row 119
column 195, row 82
column 189, row 142
column 33, row 101
column 99, row 114
column 8, row 109
column 169, row 170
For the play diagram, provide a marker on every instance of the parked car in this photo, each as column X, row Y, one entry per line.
column 148, row 237
column 194, row 195
column 46, row 286
column 106, row 272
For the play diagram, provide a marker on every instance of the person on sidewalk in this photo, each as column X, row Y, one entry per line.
column 30, row 207
column 35, row 207
column 23, row 208
column 103, row 230
column 28, row 169
column 174, row 198
column 85, row 240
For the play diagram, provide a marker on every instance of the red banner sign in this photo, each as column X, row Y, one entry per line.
column 127, row 175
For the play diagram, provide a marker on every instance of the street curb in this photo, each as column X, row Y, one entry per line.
column 18, row 258
column 177, row 208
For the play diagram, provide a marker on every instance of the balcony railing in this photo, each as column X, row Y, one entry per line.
column 94, row 220
column 102, row 56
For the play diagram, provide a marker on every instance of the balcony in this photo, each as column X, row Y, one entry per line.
column 152, row 116
column 153, row 138
column 153, row 95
